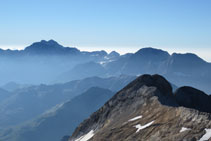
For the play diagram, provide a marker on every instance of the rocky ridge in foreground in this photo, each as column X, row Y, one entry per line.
column 146, row 109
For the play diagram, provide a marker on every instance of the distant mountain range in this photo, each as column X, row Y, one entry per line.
column 180, row 69
column 48, row 89
column 49, row 62
column 27, row 103
column 147, row 109
column 44, row 62
column 60, row 120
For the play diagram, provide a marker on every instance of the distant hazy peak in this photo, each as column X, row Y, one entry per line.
column 49, row 41
column 150, row 50
column 113, row 52
column 101, row 52
column 50, row 47
column 44, row 43
column 189, row 56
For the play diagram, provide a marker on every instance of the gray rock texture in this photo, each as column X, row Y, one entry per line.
column 151, row 97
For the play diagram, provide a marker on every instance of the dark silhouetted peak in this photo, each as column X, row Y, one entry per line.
column 193, row 98
column 49, row 47
column 50, row 42
column 157, row 81
column 149, row 52
column 46, row 44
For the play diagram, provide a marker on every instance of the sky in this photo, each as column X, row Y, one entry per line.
column 121, row 25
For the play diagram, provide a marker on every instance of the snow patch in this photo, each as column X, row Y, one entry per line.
column 135, row 118
column 139, row 127
column 206, row 136
column 183, row 129
column 86, row 137
column 102, row 62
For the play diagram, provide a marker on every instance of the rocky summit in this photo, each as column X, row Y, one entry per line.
column 148, row 110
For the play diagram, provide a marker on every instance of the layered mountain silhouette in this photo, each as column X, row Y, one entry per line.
column 49, row 62
column 147, row 109
column 27, row 103
column 180, row 69
column 50, row 47
column 44, row 62
column 146, row 60
column 62, row 119
column 41, row 84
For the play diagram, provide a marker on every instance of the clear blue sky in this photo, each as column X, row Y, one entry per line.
column 180, row 25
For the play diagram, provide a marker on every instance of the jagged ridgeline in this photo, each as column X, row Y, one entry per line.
column 49, row 62
column 147, row 109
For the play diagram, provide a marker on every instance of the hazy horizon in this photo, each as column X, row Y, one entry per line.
column 60, row 80
column 175, row 26
column 204, row 54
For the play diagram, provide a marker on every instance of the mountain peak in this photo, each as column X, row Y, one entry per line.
column 151, row 54
column 44, row 43
column 193, row 98
column 113, row 55
column 49, row 47
column 145, row 110
column 50, row 42
column 156, row 80
column 151, row 51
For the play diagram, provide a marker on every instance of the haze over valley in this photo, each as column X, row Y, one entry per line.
column 105, row 70
column 41, row 82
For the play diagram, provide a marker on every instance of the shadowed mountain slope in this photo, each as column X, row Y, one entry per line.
column 61, row 120
column 27, row 103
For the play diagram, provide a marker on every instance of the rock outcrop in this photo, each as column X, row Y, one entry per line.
column 146, row 109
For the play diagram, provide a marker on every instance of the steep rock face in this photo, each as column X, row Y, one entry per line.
column 146, row 109
column 193, row 98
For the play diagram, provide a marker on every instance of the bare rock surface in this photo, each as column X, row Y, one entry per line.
column 147, row 110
